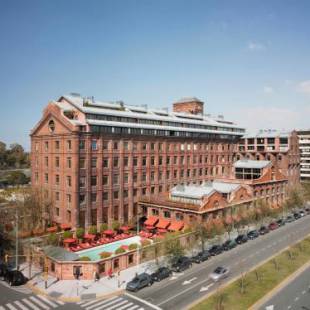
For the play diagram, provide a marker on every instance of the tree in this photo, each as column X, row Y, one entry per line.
column 116, row 225
column 92, row 230
column 203, row 234
column 80, row 232
column 17, row 178
column 173, row 247
column 296, row 198
column 103, row 227
column 52, row 239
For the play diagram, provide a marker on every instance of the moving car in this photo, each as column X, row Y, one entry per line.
column 281, row 222
column 241, row 239
column 219, row 273
column 229, row 244
column 273, row 226
column 140, row 281
column 181, row 264
column 201, row 257
column 161, row 273
column 263, row 230
column 15, row 277
column 216, row 250
column 253, row 234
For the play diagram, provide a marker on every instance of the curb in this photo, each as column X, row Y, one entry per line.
column 39, row 291
column 282, row 284
column 238, row 277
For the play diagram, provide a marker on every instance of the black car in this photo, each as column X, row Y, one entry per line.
column 307, row 210
column 297, row 215
column 241, row 239
column 161, row 273
column 201, row 257
column 302, row 213
column 15, row 277
column 181, row 264
column 229, row 244
column 280, row 222
column 253, row 234
column 216, row 250
column 263, row 230
column 290, row 219
column 140, row 281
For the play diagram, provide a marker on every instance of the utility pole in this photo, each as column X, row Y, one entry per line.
column 16, row 237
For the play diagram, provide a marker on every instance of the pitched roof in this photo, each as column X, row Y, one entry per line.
column 59, row 254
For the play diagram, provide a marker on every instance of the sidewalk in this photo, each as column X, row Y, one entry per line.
column 76, row 290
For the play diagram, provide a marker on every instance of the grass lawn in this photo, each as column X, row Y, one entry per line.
column 269, row 275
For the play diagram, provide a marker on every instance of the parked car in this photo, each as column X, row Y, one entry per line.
column 302, row 213
column 263, row 230
column 229, row 244
column 297, row 215
column 253, row 234
column 307, row 210
column 140, row 281
column 161, row 273
column 290, row 219
column 281, row 222
column 201, row 257
column 15, row 277
column 181, row 264
column 241, row 239
column 219, row 273
column 216, row 250
column 273, row 226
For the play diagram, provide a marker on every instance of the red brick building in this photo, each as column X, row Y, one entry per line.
column 95, row 160
column 192, row 204
column 281, row 148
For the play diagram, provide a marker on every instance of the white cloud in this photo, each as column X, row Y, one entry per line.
column 304, row 87
column 268, row 90
column 255, row 46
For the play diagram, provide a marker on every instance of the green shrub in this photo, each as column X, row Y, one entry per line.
column 103, row 227
column 80, row 233
column 116, row 225
column 67, row 234
column 52, row 239
column 92, row 230
column 132, row 246
column 145, row 242
column 105, row 254
column 120, row 250
column 84, row 259
column 187, row 230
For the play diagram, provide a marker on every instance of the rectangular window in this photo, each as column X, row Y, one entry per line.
column 69, row 145
column 135, row 161
column 57, row 162
column 105, row 163
column 144, row 161
column 115, row 179
column 46, row 177
column 46, row 145
column 115, row 194
column 68, row 198
column 57, row 145
column 105, row 196
column 94, row 162
column 126, row 178
column 93, row 197
column 57, row 179
column 93, row 180
column 105, row 145
column 125, row 161
column 46, row 161
column 69, row 162
column 82, row 145
column 126, row 146
column 82, row 198
column 57, row 196
column 115, row 162
column 69, row 181
column 105, row 180
column 115, row 145
column 125, row 193
column 94, row 145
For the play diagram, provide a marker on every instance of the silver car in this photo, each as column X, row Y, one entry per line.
column 219, row 273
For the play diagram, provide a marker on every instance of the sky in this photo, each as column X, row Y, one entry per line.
column 247, row 60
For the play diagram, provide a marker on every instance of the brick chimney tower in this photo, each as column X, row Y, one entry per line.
column 190, row 105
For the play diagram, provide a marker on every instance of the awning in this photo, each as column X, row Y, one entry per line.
column 65, row 226
column 176, row 226
column 148, row 227
column 124, row 228
column 89, row 236
column 70, row 240
column 151, row 221
column 162, row 223
column 161, row 230
column 109, row 232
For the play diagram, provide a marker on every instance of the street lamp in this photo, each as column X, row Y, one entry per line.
column 138, row 249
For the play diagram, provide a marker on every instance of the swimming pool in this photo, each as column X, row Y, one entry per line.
column 93, row 253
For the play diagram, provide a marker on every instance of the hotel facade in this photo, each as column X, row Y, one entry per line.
column 96, row 160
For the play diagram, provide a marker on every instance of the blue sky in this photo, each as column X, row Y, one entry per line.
column 248, row 60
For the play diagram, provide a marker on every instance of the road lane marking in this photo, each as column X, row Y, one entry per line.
column 30, row 304
column 88, row 303
column 126, row 306
column 11, row 307
column 105, row 302
column 205, row 288
column 189, row 281
column 38, row 302
column 20, row 305
column 115, row 306
column 46, row 300
column 143, row 301
column 296, row 298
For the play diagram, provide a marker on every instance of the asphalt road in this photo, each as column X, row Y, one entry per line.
column 183, row 289
column 295, row 295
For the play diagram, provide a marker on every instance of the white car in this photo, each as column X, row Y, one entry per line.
column 219, row 273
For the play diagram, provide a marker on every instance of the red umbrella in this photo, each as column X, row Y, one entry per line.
column 70, row 240
column 124, row 228
column 109, row 232
column 65, row 226
column 52, row 229
column 89, row 236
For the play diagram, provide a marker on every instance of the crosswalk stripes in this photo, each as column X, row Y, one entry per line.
column 113, row 303
column 38, row 302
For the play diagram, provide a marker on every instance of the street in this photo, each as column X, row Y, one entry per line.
column 295, row 295
column 182, row 289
